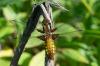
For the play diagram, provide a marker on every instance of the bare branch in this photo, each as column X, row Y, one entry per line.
column 31, row 24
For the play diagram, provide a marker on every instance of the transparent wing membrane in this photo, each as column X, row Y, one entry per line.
column 54, row 3
column 60, row 31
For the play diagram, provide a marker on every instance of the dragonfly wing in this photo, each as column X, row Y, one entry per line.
column 66, row 33
column 30, row 26
column 57, row 4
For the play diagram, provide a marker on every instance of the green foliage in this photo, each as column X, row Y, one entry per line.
column 74, row 47
column 40, row 59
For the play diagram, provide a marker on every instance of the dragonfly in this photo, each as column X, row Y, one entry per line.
column 48, row 29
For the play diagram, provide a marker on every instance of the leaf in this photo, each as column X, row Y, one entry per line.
column 66, row 34
column 94, row 63
column 89, row 8
column 10, row 2
column 6, row 31
column 38, row 59
column 25, row 58
column 56, row 13
column 92, row 2
column 4, row 62
column 6, row 53
column 33, row 40
column 67, row 30
column 61, row 28
column 75, row 55
column 9, row 13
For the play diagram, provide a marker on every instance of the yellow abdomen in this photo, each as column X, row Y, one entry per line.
column 50, row 48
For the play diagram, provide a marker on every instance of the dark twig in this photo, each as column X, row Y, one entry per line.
column 31, row 24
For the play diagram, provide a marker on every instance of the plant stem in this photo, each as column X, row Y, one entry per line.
column 31, row 24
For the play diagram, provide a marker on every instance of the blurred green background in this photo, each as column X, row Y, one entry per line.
column 74, row 47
